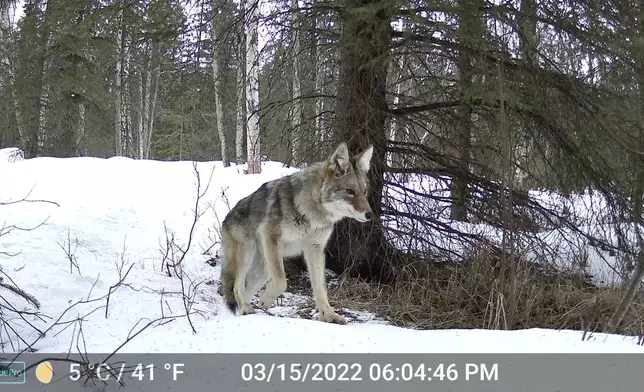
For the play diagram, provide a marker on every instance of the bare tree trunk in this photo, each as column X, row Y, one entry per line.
column 253, row 146
column 241, row 95
column 126, row 128
column 469, row 33
column 527, row 23
column 319, row 73
column 459, row 184
column 42, row 115
column 296, row 93
column 320, row 129
column 240, row 122
column 80, row 129
column 43, row 100
column 147, row 103
column 219, row 107
column 396, row 124
column 508, row 260
column 145, row 143
column 402, row 130
column 152, row 112
column 118, row 83
column 140, row 125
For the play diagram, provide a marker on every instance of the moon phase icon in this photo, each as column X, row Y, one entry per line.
column 44, row 372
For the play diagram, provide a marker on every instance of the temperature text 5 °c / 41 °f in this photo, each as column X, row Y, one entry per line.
column 120, row 371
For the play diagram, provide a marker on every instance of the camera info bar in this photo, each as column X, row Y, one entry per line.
column 322, row 372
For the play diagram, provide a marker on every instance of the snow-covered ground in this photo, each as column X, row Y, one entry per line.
column 105, row 221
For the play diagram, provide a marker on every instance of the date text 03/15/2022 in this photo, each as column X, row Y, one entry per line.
column 375, row 372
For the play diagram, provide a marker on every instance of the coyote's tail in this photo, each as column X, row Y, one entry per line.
column 228, row 273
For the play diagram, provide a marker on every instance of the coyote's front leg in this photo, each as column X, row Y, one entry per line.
column 314, row 256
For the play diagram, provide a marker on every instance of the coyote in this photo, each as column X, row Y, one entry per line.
column 290, row 216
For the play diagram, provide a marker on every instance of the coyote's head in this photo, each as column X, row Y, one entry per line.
column 345, row 185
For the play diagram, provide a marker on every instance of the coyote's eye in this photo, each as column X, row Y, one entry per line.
column 350, row 192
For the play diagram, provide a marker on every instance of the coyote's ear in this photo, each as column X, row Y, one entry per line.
column 363, row 161
column 340, row 158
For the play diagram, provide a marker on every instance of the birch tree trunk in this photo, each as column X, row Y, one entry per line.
column 319, row 101
column 241, row 101
column 146, row 137
column 400, row 127
column 253, row 147
column 296, row 93
column 140, row 124
column 118, row 83
column 395, row 122
column 403, row 92
column 219, row 107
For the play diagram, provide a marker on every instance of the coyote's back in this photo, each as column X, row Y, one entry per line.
column 290, row 216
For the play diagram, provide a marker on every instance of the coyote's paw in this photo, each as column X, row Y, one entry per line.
column 266, row 302
column 329, row 316
column 247, row 309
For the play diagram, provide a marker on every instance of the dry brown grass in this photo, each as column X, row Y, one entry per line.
column 476, row 294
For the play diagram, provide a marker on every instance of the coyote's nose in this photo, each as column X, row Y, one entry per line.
column 368, row 215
